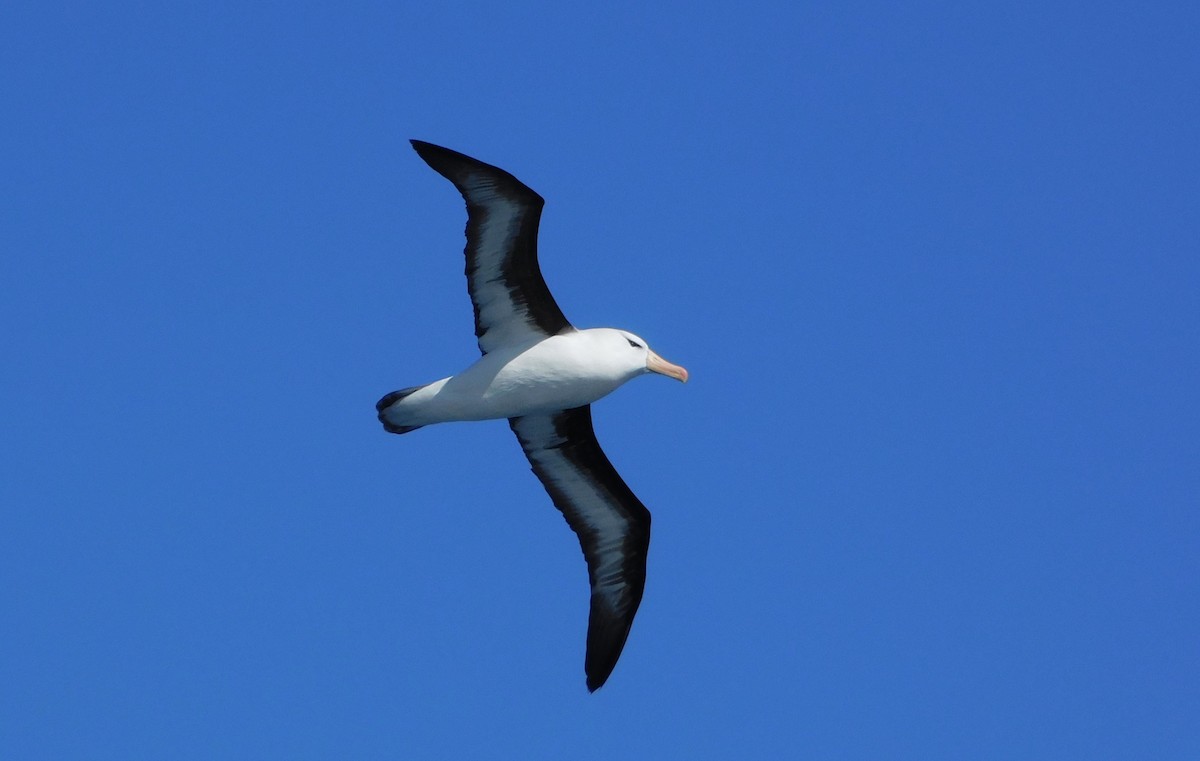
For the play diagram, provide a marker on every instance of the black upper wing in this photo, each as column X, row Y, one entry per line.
column 612, row 523
column 512, row 303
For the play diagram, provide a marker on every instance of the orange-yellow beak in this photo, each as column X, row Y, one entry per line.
column 657, row 364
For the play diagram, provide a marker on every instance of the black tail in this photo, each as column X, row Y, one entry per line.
column 387, row 401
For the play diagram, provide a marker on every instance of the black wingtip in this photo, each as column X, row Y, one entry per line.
column 452, row 165
column 457, row 167
column 598, row 673
column 596, row 681
column 420, row 146
column 435, row 154
column 606, row 640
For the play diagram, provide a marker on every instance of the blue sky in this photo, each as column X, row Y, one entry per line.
column 931, row 492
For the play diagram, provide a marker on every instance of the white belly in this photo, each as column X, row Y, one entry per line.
column 554, row 374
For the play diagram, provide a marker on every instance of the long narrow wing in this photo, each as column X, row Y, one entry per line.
column 512, row 303
column 612, row 523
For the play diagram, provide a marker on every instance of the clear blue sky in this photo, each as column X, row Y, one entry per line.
column 932, row 492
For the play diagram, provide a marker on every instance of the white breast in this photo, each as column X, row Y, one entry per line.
column 558, row 373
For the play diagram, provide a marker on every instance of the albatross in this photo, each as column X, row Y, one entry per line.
column 542, row 374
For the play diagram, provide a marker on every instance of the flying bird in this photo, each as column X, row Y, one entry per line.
column 542, row 374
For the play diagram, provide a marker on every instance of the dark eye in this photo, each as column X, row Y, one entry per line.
column 634, row 343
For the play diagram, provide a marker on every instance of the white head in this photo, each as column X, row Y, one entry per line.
column 637, row 355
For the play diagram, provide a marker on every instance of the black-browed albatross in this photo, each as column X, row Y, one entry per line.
column 542, row 374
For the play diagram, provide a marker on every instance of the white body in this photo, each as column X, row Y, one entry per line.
column 557, row 373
